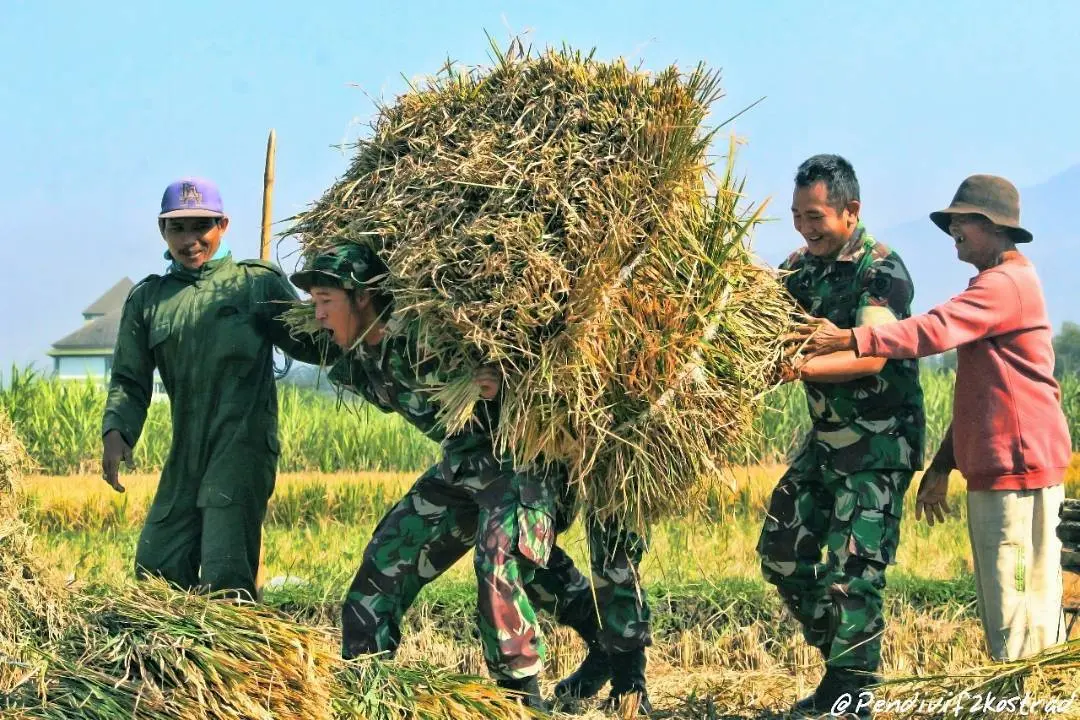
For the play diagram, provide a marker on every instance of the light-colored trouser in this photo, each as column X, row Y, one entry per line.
column 1017, row 568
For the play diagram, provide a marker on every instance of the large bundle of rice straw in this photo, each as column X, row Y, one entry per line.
column 150, row 652
column 557, row 215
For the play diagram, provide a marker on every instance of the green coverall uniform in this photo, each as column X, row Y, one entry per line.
column 210, row 333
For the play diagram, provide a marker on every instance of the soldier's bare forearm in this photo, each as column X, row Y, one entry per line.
column 839, row 367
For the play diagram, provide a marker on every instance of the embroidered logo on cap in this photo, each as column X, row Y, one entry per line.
column 190, row 195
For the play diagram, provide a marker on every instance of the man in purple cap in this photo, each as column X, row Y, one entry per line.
column 208, row 325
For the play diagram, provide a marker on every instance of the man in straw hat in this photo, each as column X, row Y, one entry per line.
column 473, row 499
column 844, row 490
column 1009, row 437
column 208, row 325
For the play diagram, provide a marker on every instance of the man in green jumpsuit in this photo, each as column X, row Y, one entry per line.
column 844, row 491
column 208, row 325
column 472, row 499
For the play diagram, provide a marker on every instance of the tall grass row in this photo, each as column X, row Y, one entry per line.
column 60, row 422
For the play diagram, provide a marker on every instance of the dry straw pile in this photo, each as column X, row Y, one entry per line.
column 558, row 216
column 1044, row 685
column 148, row 652
column 31, row 601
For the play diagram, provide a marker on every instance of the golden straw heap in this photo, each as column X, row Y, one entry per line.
column 148, row 652
column 558, row 216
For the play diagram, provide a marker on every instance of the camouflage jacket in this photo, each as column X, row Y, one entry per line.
column 398, row 376
column 874, row 422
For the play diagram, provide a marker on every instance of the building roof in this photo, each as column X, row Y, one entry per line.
column 98, row 334
column 113, row 299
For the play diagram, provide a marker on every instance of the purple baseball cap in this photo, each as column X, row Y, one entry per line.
column 191, row 197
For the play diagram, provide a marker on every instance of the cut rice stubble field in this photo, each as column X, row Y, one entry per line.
column 714, row 617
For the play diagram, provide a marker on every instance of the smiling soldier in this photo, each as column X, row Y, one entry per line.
column 844, row 490
column 1009, row 436
column 208, row 325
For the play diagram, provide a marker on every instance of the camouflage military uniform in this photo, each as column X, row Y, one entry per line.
column 620, row 600
column 471, row 500
column 844, row 490
column 210, row 334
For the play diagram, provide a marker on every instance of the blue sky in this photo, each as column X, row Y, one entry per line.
column 104, row 103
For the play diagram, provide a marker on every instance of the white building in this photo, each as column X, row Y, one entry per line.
column 88, row 351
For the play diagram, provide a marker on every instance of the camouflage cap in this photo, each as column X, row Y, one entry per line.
column 347, row 266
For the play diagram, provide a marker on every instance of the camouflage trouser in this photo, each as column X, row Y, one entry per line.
column 620, row 600
column 857, row 518
column 507, row 517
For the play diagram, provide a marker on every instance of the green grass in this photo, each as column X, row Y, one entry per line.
column 723, row 594
column 60, row 423
column 317, row 525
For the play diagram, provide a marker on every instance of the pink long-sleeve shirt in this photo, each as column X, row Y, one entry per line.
column 1009, row 431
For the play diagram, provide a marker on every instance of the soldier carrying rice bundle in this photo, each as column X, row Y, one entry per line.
column 473, row 498
column 551, row 217
column 537, row 276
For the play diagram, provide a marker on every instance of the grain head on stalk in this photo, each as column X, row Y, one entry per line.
column 559, row 216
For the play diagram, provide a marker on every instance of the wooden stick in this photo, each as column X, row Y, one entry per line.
column 264, row 254
column 268, row 196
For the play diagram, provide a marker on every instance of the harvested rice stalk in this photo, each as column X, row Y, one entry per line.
column 148, row 652
column 151, row 652
column 1052, row 676
column 14, row 461
column 155, row 653
column 553, row 215
column 33, row 603
column 385, row 691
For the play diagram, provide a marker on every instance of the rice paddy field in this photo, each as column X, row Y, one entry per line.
column 724, row 647
column 558, row 217
column 60, row 422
